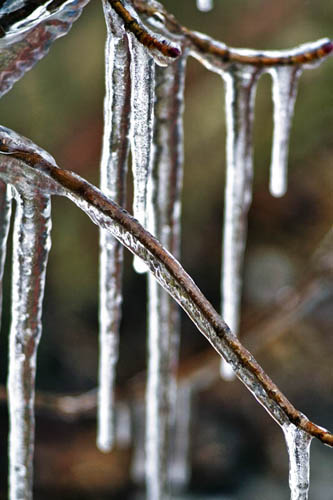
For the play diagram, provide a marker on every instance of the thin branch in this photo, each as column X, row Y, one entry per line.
column 147, row 39
column 206, row 47
column 167, row 271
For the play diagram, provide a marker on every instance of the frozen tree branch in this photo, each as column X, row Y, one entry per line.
column 215, row 54
column 24, row 163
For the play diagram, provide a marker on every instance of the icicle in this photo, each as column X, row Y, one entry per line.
column 5, row 212
column 163, row 318
column 179, row 464
column 28, row 32
column 298, row 444
column 113, row 184
column 138, row 455
column 205, row 5
column 123, row 425
column 142, row 99
column 285, row 80
column 239, row 107
column 30, row 252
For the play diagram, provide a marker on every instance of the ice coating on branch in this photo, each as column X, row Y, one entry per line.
column 29, row 170
column 298, row 445
column 30, row 252
column 163, row 319
column 285, row 80
column 21, row 167
column 158, row 43
column 24, row 41
column 240, row 89
column 5, row 213
column 218, row 57
column 205, row 5
column 142, row 109
column 113, row 184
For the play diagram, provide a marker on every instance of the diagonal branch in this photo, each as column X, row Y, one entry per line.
column 21, row 163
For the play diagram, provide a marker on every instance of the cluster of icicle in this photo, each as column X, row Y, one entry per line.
column 143, row 113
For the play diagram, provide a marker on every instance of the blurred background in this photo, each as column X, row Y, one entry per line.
column 237, row 451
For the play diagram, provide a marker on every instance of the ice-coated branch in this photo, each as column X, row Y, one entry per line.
column 23, row 162
column 216, row 55
column 27, row 32
column 163, row 50
column 30, row 252
column 113, row 184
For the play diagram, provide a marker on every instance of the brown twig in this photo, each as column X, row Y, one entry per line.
column 208, row 47
column 142, row 34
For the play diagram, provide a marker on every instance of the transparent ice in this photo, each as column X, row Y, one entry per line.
column 298, row 445
column 240, row 89
column 285, row 80
column 180, row 456
column 113, row 184
column 240, row 85
column 33, row 185
column 205, row 5
column 5, row 213
column 142, row 106
column 138, row 443
column 30, row 251
column 164, row 212
column 28, row 40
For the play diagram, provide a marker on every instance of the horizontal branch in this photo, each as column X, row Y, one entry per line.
column 218, row 52
column 20, row 155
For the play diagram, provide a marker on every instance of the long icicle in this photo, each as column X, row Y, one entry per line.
column 240, row 91
column 5, row 213
column 142, row 106
column 163, row 318
column 298, row 445
column 285, row 80
column 113, row 184
column 180, row 459
column 30, row 252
